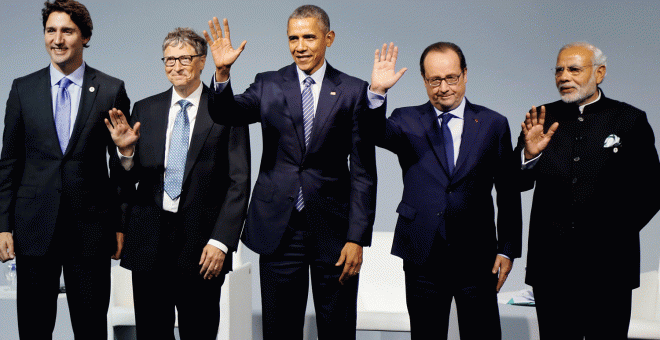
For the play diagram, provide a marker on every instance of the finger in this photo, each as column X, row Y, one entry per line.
column 542, row 116
column 500, row 282
column 209, row 41
column 496, row 266
column 202, row 259
column 552, row 129
column 136, row 129
column 342, row 258
column 242, row 47
column 376, row 56
column 400, row 73
column 395, row 54
column 390, row 52
column 383, row 52
column 107, row 123
column 214, row 26
column 533, row 116
column 528, row 121
column 524, row 128
column 225, row 35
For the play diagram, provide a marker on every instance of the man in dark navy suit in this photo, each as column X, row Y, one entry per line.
column 59, row 210
column 452, row 153
column 313, row 204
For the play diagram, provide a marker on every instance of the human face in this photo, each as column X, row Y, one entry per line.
column 441, row 65
column 580, row 88
column 64, row 42
column 307, row 43
column 184, row 78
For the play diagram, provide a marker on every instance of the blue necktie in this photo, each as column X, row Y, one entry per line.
column 448, row 140
column 308, row 120
column 63, row 113
column 176, row 159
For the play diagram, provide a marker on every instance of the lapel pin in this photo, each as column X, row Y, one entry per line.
column 91, row 89
column 333, row 93
column 476, row 120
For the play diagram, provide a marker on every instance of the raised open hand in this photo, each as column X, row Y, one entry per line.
column 224, row 55
column 383, row 75
column 122, row 134
column 536, row 140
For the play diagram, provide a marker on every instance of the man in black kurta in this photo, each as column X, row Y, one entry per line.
column 594, row 162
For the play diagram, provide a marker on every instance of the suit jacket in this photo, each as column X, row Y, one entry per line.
column 454, row 214
column 41, row 187
column 339, row 198
column 591, row 201
column 214, row 194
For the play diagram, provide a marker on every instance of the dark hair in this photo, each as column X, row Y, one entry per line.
column 311, row 11
column 442, row 46
column 77, row 11
column 185, row 35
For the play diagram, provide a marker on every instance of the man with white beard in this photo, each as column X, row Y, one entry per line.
column 593, row 161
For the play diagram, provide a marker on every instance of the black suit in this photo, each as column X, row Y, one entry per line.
column 590, row 202
column 63, row 209
column 339, row 200
column 212, row 205
column 446, row 232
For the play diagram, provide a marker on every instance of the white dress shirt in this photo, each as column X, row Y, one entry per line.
column 172, row 205
column 75, row 90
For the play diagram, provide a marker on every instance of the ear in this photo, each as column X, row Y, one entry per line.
column 600, row 73
column 329, row 38
column 465, row 75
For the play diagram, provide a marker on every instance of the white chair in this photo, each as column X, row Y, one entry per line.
column 645, row 318
column 381, row 304
column 235, row 301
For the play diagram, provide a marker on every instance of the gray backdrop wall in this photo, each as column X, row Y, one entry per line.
column 510, row 49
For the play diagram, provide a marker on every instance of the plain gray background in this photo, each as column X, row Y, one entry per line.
column 510, row 49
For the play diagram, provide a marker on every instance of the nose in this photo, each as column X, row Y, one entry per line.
column 562, row 76
column 444, row 86
column 59, row 38
column 300, row 46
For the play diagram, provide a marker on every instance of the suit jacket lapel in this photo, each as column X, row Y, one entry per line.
column 430, row 124
column 328, row 96
column 90, row 87
column 471, row 127
column 203, row 124
column 293, row 97
column 43, row 94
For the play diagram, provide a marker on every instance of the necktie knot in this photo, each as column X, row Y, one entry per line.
column 65, row 82
column 308, row 82
column 446, row 117
column 184, row 104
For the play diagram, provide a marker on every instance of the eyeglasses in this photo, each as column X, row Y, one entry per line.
column 185, row 60
column 451, row 80
column 572, row 70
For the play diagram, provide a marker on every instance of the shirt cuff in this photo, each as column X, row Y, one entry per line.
column 375, row 100
column 219, row 245
column 126, row 161
column 526, row 165
column 218, row 86
column 508, row 258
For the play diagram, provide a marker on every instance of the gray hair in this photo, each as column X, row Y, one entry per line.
column 182, row 35
column 311, row 11
column 598, row 57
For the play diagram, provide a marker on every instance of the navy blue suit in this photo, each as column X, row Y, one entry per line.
column 339, row 197
column 446, row 230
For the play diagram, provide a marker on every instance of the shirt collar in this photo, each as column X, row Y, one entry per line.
column 193, row 98
column 317, row 76
column 76, row 76
column 458, row 112
column 583, row 106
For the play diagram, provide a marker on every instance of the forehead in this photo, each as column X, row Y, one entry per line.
column 578, row 56
column 303, row 26
column 181, row 49
column 60, row 19
column 442, row 63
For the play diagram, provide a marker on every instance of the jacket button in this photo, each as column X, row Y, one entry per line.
column 290, row 199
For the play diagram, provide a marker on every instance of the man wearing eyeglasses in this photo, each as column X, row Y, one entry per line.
column 187, row 214
column 593, row 163
column 452, row 153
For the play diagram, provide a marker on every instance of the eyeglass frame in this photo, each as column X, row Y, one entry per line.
column 458, row 78
column 192, row 57
column 558, row 70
